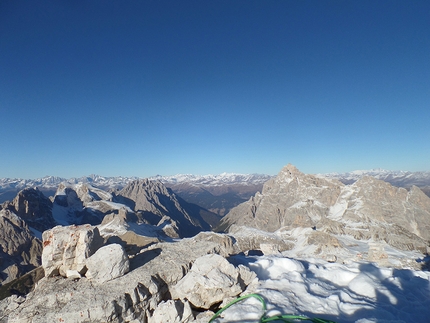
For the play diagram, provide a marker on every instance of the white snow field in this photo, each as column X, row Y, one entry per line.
column 358, row 292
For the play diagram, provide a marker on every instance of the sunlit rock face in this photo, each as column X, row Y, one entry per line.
column 290, row 199
column 67, row 248
column 367, row 209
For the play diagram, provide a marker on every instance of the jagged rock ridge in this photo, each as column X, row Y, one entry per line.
column 158, row 205
column 149, row 208
column 396, row 178
column 216, row 193
column 367, row 209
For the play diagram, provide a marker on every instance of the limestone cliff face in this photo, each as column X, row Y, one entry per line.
column 367, row 209
column 290, row 199
column 370, row 200
column 157, row 204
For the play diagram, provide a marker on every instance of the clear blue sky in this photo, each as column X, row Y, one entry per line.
column 139, row 88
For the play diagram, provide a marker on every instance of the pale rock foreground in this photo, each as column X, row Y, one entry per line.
column 67, row 248
column 133, row 297
column 109, row 262
column 172, row 311
column 211, row 280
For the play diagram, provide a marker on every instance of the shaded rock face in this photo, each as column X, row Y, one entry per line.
column 19, row 250
column 367, row 209
column 159, row 206
column 81, row 204
column 218, row 199
column 32, row 206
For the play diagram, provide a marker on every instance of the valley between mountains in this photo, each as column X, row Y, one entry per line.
column 343, row 247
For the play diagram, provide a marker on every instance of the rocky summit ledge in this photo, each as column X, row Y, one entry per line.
column 136, row 293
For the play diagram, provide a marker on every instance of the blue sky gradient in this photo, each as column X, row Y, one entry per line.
column 139, row 88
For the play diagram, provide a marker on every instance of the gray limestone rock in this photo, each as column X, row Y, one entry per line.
column 159, row 206
column 248, row 239
column 107, row 263
column 172, row 311
column 133, row 297
column 290, row 199
column 67, row 248
column 211, row 280
column 33, row 207
column 369, row 209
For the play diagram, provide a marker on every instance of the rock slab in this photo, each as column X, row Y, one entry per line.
column 211, row 280
column 67, row 248
column 108, row 262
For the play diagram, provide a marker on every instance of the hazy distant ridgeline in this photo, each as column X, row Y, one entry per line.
column 216, row 193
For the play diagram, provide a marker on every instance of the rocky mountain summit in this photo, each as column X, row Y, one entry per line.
column 157, row 205
column 149, row 255
column 187, row 280
column 368, row 209
column 143, row 207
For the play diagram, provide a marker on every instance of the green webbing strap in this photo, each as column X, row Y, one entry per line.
column 287, row 318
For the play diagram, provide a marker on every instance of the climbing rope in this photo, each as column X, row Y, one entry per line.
column 286, row 318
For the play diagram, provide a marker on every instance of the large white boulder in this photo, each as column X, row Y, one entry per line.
column 172, row 311
column 109, row 262
column 211, row 280
column 67, row 248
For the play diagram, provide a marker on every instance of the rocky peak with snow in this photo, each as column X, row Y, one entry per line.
column 400, row 212
column 157, row 204
column 144, row 192
column 289, row 199
column 309, row 245
column 404, row 179
column 368, row 209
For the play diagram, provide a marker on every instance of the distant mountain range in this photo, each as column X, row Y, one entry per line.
column 396, row 178
column 120, row 181
column 217, row 193
column 292, row 214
